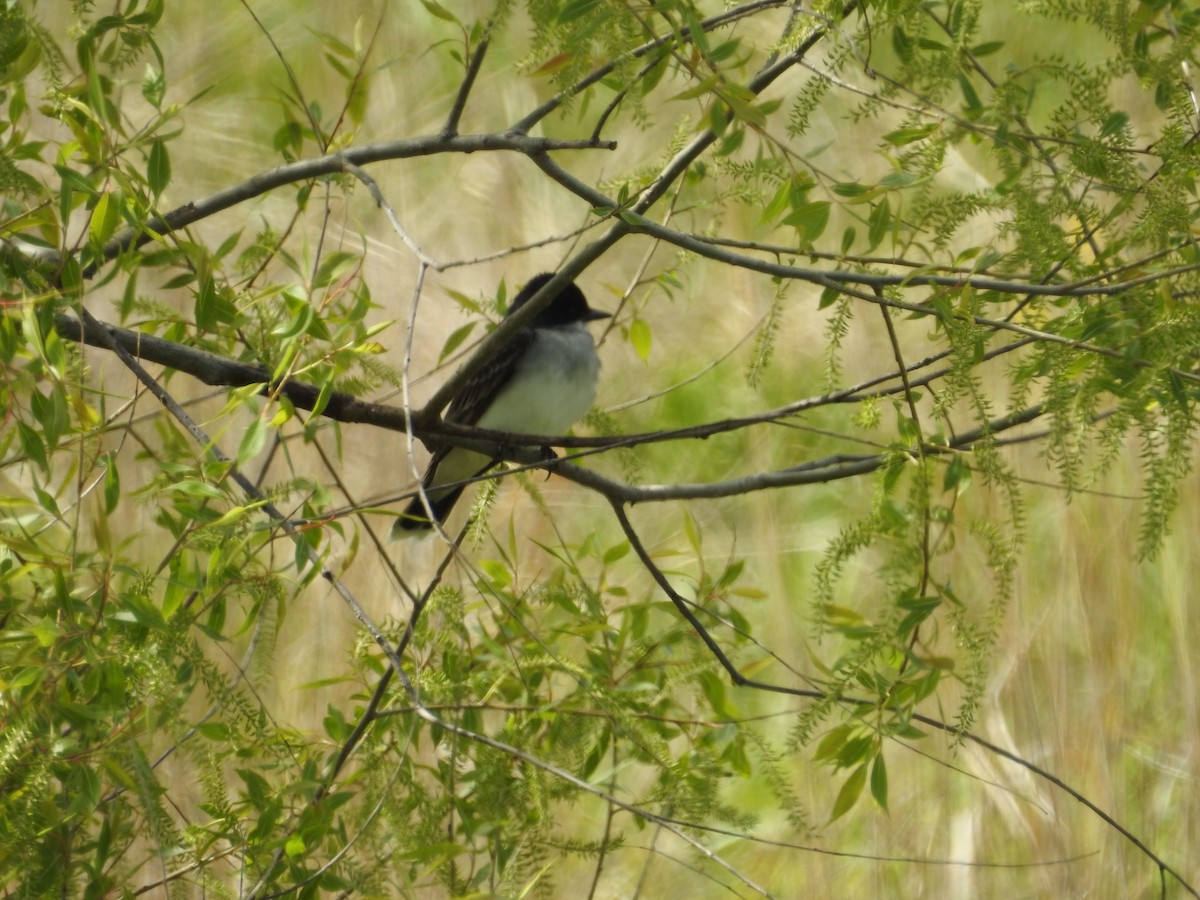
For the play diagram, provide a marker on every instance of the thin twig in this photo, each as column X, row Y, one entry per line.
column 464, row 89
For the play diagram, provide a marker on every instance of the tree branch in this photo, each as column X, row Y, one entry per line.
column 218, row 370
column 332, row 164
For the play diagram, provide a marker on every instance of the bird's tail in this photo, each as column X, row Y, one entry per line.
column 415, row 521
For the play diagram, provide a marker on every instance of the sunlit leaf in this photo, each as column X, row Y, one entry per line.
column 455, row 340
column 640, row 338
column 106, row 215
column 253, row 440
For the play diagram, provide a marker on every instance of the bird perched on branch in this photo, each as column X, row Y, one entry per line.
column 540, row 382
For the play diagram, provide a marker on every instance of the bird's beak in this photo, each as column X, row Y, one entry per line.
column 594, row 315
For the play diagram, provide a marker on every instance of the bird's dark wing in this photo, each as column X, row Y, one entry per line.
column 483, row 387
column 466, row 409
column 486, row 384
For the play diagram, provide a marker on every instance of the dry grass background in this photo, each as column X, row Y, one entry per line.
column 1096, row 671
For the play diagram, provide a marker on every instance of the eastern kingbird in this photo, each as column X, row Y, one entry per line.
column 539, row 382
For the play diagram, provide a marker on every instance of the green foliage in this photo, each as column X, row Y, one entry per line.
column 1012, row 235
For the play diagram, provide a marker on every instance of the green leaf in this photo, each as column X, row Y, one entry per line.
column 213, row 307
column 436, row 9
column 253, row 440
column 717, row 118
column 191, row 487
column 848, row 237
column 455, row 340
column 810, row 219
column 920, row 609
column 714, row 692
column 701, row 89
column 234, row 514
column 778, row 203
column 898, row 180
column 45, row 631
column 849, row 793
column 31, row 444
column 878, row 223
column 855, row 752
column 616, row 552
column 50, row 411
column 301, row 316
column 640, row 338
column 158, row 167
column 215, row 731
column 879, row 782
column 986, row 48
column 850, row 189
column 106, row 215
column 831, row 745
column 333, row 267
column 336, row 725
column 692, row 531
column 323, row 397
column 910, row 134
column 731, row 142
column 112, row 484
column 1114, row 124
column 154, row 86
column 958, row 474
column 696, row 32
column 970, row 97
column 654, row 76
column 576, row 10
column 47, row 501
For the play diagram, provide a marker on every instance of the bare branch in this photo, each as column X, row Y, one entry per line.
column 333, row 164
column 464, row 90
column 217, row 370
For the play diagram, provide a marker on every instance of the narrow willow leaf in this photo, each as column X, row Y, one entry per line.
column 253, row 440
column 849, row 793
column 436, row 9
column 640, row 338
column 158, row 167
column 106, row 215
column 831, row 745
column 879, row 782
column 778, row 203
column 333, row 268
column 576, row 10
column 455, row 340
column 909, row 135
column 112, row 485
column 878, row 222
column 810, row 219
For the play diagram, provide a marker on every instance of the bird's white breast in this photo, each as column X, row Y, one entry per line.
column 554, row 384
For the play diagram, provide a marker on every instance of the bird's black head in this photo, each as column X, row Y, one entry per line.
column 568, row 306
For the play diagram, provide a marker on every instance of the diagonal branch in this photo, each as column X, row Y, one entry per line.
column 728, row 17
column 464, row 89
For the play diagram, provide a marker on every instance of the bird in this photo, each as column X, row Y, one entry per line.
column 540, row 381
